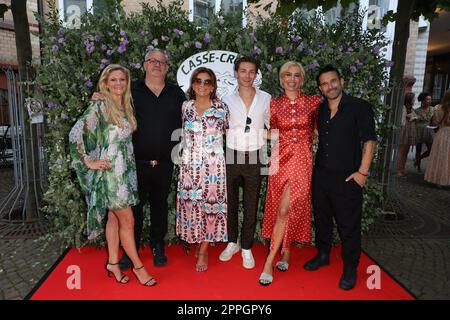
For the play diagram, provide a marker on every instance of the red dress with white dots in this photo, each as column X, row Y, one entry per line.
column 291, row 165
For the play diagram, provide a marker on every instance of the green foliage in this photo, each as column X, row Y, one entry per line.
column 74, row 58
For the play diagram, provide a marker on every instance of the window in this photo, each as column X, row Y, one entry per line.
column 199, row 8
column 70, row 11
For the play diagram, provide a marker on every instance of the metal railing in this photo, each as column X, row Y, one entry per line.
column 28, row 165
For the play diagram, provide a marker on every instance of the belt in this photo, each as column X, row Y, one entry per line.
column 151, row 163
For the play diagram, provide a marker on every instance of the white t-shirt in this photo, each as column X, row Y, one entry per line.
column 259, row 113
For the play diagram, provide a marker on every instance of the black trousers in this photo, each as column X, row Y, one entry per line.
column 334, row 197
column 153, row 186
column 243, row 169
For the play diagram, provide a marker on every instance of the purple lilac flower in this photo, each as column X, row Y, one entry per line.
column 121, row 49
column 376, row 50
column 109, row 52
column 310, row 52
column 61, row 41
column 256, row 51
column 51, row 105
column 350, row 49
column 104, row 47
column 122, row 33
column 321, row 46
column 60, row 33
column 64, row 117
column 178, row 32
column 301, row 47
column 55, row 48
column 150, row 48
column 353, row 69
column 269, row 67
column 142, row 34
column 279, row 50
column 165, row 38
column 97, row 38
column 389, row 64
column 314, row 65
column 359, row 64
column 89, row 46
column 102, row 66
column 110, row 33
column 198, row 45
column 296, row 38
column 137, row 65
column 207, row 38
column 88, row 83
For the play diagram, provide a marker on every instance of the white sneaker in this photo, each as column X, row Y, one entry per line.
column 247, row 259
column 229, row 251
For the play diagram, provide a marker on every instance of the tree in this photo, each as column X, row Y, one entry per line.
column 407, row 10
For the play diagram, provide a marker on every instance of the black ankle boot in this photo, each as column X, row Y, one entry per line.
column 348, row 278
column 320, row 260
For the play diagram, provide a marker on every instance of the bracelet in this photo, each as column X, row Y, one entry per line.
column 365, row 175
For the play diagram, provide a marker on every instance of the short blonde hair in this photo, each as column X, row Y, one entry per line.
column 284, row 68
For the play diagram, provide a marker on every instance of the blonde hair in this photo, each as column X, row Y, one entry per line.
column 284, row 68
column 115, row 113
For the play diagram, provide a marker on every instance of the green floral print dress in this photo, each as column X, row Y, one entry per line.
column 92, row 138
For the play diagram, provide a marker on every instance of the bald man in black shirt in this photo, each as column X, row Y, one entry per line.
column 345, row 123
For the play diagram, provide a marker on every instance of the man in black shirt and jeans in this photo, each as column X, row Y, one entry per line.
column 347, row 142
column 158, row 113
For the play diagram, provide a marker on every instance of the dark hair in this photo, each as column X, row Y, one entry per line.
column 409, row 98
column 191, row 92
column 327, row 68
column 422, row 96
column 248, row 59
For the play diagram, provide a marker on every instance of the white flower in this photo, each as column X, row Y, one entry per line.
column 76, row 134
column 91, row 122
column 119, row 165
column 122, row 192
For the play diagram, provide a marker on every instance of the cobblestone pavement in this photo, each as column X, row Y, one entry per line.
column 414, row 249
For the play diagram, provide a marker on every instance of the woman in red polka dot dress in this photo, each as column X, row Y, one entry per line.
column 287, row 216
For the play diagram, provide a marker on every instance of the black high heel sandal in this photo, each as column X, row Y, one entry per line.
column 109, row 272
column 149, row 283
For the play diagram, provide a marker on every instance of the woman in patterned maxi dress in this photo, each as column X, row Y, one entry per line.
column 287, row 215
column 202, row 193
column 103, row 158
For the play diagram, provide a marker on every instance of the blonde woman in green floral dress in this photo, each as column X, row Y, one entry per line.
column 103, row 158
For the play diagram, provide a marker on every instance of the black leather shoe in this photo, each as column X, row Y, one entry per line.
column 124, row 263
column 159, row 258
column 348, row 278
column 320, row 260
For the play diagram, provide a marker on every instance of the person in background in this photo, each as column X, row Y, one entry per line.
column 424, row 133
column 407, row 136
column 438, row 168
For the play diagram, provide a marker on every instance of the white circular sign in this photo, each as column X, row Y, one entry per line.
column 221, row 62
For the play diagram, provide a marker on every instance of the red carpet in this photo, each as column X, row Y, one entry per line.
column 223, row 280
